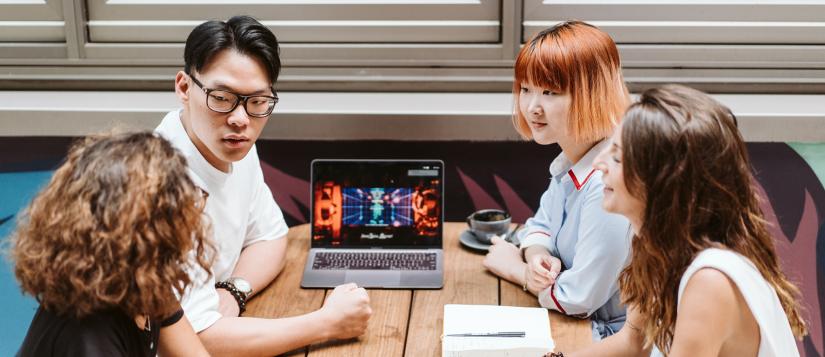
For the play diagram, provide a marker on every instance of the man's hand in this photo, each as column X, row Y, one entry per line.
column 504, row 260
column 542, row 270
column 348, row 310
column 228, row 306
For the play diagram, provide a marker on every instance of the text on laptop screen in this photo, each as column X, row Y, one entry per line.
column 376, row 203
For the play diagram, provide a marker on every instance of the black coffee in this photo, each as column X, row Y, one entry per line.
column 490, row 216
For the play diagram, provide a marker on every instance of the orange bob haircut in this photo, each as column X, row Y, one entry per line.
column 581, row 60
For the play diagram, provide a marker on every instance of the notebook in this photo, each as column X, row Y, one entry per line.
column 376, row 223
column 485, row 319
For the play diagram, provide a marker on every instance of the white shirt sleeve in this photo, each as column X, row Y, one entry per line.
column 266, row 221
column 200, row 301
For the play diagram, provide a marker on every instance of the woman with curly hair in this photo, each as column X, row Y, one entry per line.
column 704, row 279
column 105, row 249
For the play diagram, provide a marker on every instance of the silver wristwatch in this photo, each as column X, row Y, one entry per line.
column 240, row 290
column 241, row 285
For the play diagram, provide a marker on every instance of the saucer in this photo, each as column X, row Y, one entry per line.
column 469, row 240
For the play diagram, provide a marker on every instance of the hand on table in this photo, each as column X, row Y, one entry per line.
column 504, row 259
column 348, row 310
column 542, row 271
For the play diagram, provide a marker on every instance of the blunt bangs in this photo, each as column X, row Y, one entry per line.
column 540, row 63
column 579, row 60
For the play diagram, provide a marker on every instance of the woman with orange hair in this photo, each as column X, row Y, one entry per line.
column 569, row 90
column 105, row 249
column 704, row 279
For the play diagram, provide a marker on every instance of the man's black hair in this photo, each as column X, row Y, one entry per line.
column 240, row 33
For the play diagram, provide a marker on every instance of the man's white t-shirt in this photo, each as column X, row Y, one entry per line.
column 241, row 212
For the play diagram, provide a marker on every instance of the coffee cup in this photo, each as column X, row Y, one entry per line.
column 486, row 223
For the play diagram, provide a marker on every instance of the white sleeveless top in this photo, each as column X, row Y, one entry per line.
column 776, row 337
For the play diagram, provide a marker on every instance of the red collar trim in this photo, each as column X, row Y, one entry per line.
column 576, row 181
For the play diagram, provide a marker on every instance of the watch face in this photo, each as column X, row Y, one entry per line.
column 242, row 285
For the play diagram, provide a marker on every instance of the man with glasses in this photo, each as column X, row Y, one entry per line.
column 227, row 94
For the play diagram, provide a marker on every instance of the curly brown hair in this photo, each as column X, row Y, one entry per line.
column 685, row 158
column 119, row 226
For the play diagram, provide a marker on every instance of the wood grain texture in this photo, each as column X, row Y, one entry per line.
column 386, row 332
column 570, row 334
column 285, row 297
column 406, row 322
column 465, row 282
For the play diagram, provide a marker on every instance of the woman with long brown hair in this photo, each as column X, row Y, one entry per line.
column 704, row 279
column 105, row 248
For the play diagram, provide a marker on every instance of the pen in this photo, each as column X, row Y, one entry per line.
column 490, row 334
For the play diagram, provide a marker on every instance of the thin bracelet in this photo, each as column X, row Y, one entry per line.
column 524, row 286
column 628, row 324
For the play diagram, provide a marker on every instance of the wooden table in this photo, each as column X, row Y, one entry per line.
column 406, row 322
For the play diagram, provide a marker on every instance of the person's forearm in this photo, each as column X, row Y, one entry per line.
column 533, row 250
column 261, row 262
column 626, row 343
column 516, row 273
column 249, row 336
column 180, row 340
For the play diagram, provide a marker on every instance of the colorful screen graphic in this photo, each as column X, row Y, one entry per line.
column 357, row 203
column 377, row 207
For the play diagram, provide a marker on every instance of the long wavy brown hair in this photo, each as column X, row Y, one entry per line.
column 685, row 158
column 117, row 227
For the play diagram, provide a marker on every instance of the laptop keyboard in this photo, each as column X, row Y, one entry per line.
column 374, row 261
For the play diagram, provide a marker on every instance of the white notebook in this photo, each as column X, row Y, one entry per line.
column 484, row 319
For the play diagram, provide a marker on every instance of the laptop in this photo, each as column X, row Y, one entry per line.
column 377, row 223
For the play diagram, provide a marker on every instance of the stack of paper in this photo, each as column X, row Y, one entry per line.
column 486, row 319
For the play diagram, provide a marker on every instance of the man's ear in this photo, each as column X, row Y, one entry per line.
column 182, row 87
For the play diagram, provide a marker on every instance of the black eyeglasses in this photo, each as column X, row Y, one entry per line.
column 224, row 101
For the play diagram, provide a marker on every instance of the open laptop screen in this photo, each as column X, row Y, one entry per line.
column 377, row 203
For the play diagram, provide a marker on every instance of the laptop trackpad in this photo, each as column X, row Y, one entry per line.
column 374, row 278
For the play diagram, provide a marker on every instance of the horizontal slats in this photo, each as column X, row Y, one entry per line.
column 315, row 54
column 723, row 56
column 676, row 10
column 633, row 56
column 34, row 21
column 43, row 10
column 15, row 51
column 310, row 31
column 160, row 76
column 671, row 22
column 308, row 21
column 707, row 32
column 32, row 31
column 290, row 10
column 768, row 46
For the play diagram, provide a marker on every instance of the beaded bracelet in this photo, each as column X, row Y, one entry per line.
column 239, row 296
